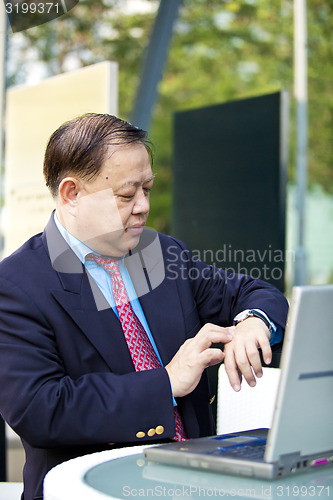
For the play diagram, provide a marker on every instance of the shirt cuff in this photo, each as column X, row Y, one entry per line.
column 276, row 330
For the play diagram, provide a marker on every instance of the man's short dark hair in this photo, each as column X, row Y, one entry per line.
column 79, row 146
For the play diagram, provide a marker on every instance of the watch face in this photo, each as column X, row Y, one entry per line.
column 252, row 313
column 242, row 315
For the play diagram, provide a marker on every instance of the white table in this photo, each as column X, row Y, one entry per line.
column 125, row 473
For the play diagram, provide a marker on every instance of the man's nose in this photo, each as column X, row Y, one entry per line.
column 141, row 204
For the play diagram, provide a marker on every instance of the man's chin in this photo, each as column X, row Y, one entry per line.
column 115, row 247
column 132, row 238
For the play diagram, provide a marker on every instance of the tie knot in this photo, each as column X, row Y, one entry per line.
column 110, row 265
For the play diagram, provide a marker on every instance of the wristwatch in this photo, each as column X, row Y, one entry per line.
column 248, row 313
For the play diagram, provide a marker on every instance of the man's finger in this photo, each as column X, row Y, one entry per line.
column 211, row 334
column 266, row 351
column 254, row 361
column 211, row 357
column 244, row 365
column 235, row 377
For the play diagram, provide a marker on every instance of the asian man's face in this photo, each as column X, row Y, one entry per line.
column 109, row 213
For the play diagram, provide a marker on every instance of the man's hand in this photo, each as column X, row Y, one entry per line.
column 242, row 355
column 186, row 367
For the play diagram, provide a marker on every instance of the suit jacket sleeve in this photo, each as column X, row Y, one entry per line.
column 219, row 296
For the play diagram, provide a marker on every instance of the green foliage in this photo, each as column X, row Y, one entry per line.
column 221, row 50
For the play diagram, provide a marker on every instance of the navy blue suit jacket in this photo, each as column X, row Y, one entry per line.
column 68, row 386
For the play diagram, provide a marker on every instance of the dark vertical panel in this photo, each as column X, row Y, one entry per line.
column 229, row 190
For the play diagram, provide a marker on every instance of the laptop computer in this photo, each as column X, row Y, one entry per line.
column 301, row 436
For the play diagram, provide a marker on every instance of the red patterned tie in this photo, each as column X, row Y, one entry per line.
column 142, row 352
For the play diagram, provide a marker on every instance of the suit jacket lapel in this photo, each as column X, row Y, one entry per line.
column 79, row 295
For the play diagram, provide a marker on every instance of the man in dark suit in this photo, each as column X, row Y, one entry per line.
column 69, row 380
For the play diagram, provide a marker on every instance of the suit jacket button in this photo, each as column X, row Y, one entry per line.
column 140, row 434
column 151, row 432
column 159, row 429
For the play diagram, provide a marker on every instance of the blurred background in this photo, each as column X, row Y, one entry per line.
column 220, row 50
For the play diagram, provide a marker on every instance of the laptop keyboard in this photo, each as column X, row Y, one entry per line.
column 249, row 451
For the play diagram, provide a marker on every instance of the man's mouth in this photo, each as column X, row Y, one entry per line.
column 135, row 230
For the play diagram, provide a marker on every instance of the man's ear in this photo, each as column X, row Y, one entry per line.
column 68, row 190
